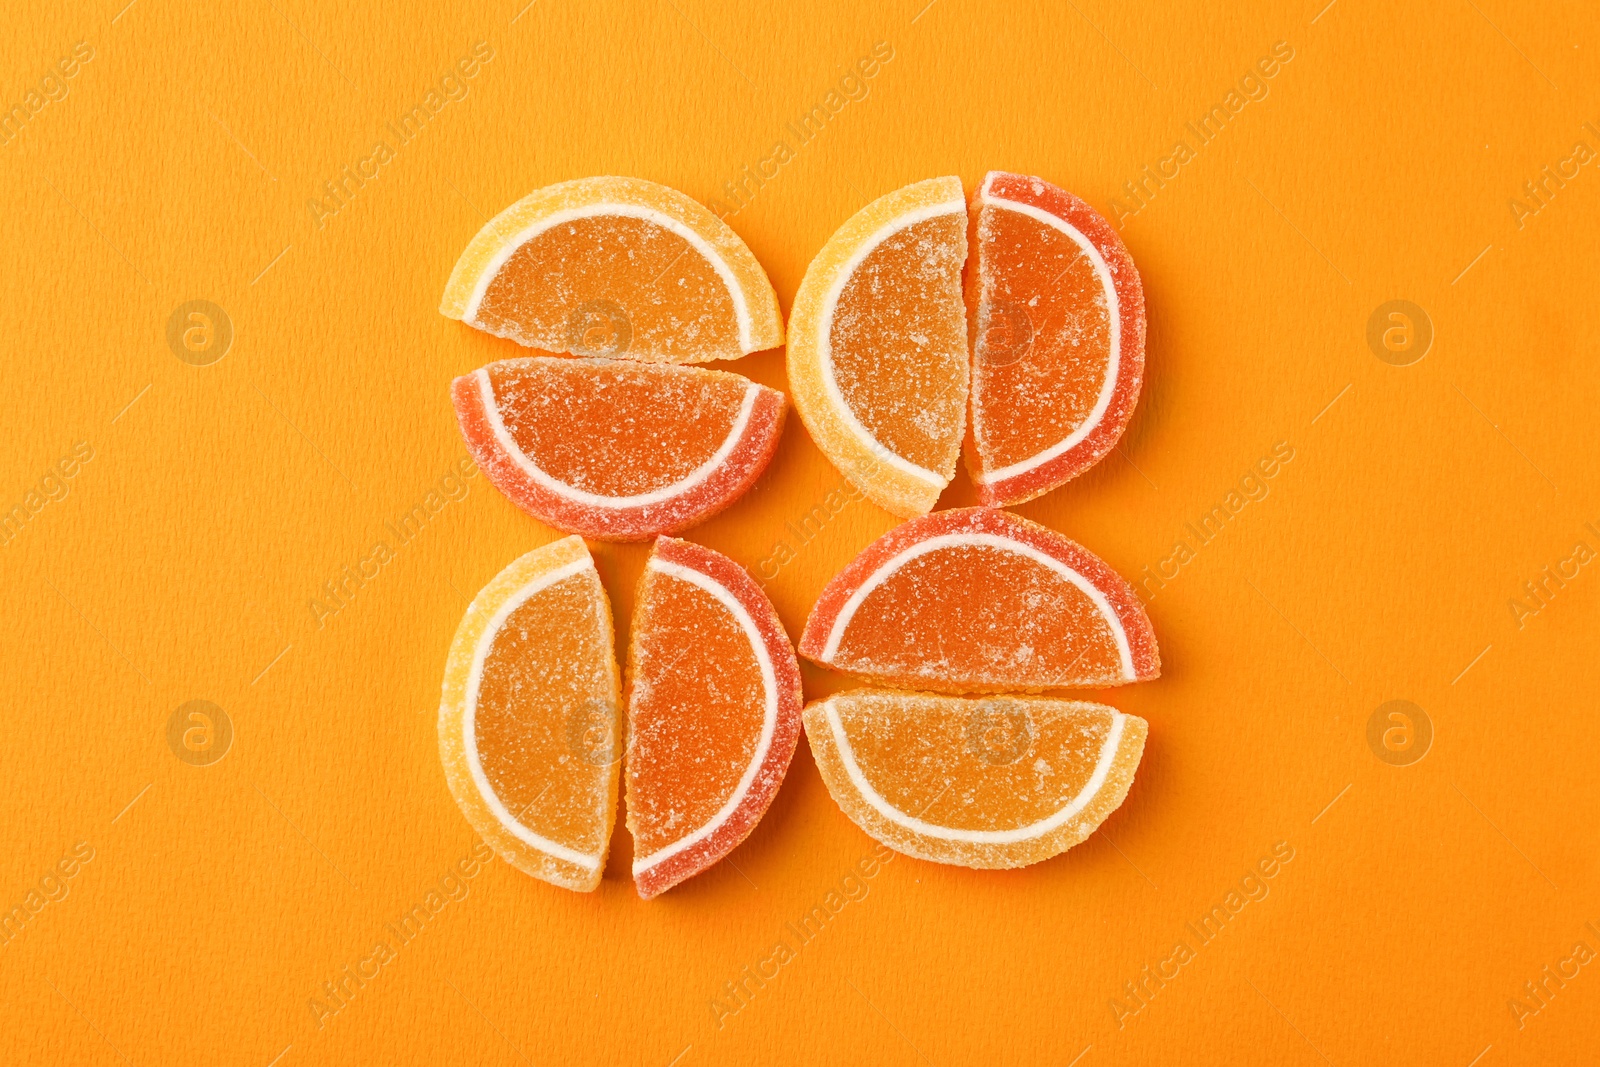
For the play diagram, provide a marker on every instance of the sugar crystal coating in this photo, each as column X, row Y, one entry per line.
column 980, row 600
column 713, row 712
column 1058, row 328
column 615, row 286
column 898, row 342
column 614, row 450
column 992, row 783
column 615, row 267
column 877, row 352
column 529, row 716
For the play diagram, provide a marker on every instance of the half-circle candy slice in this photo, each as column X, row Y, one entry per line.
column 1058, row 338
column 615, row 267
column 878, row 345
column 529, row 722
column 713, row 712
column 994, row 782
column 614, row 450
column 977, row 600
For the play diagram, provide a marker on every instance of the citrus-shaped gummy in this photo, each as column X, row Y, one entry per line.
column 981, row 600
column 1058, row 338
column 615, row 267
column 529, row 721
column 615, row 450
column 713, row 712
column 878, row 345
column 992, row 782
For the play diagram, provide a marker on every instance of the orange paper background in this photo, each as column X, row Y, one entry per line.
column 1381, row 564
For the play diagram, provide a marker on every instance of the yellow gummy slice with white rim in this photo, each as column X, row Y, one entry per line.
column 529, row 720
column 878, row 345
column 990, row 782
column 617, row 267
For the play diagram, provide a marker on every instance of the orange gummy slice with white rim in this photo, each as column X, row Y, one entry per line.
column 529, row 722
column 615, row 450
column 993, row 782
column 1058, row 338
column 981, row 600
column 615, row 267
column 713, row 712
column 878, row 345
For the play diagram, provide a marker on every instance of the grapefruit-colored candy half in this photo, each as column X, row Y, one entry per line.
column 994, row 782
column 981, row 600
column 713, row 712
column 1058, row 329
column 614, row 450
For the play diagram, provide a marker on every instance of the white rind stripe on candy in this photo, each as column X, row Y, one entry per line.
column 1102, row 768
column 769, row 724
column 469, row 717
column 741, row 309
column 655, row 496
column 1005, row 544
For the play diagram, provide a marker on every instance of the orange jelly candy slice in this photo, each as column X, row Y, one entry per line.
column 997, row 782
column 615, row 267
column 1058, row 338
column 981, row 600
column 529, row 718
column 878, row 345
column 713, row 712
column 614, row 450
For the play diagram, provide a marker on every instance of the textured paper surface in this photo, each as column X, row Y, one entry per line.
column 1383, row 559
